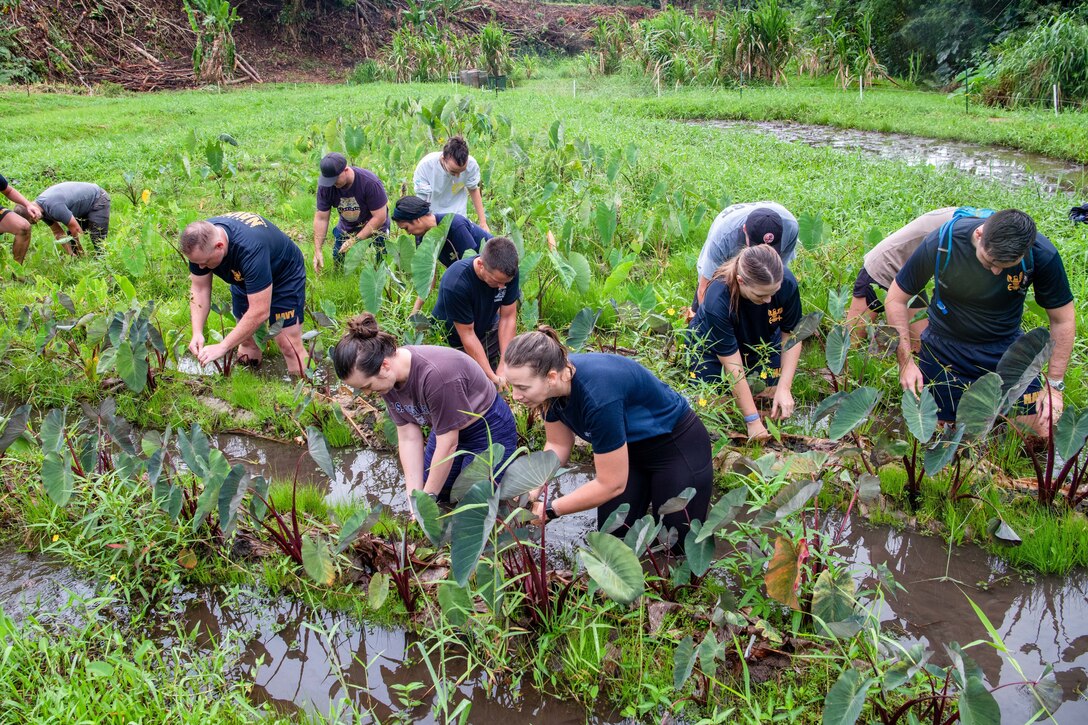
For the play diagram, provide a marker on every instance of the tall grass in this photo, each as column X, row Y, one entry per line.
column 1028, row 66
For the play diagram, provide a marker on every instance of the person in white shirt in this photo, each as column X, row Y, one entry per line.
column 446, row 179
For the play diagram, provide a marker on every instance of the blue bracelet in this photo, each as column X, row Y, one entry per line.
column 751, row 418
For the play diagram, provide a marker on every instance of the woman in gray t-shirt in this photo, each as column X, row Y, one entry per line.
column 427, row 386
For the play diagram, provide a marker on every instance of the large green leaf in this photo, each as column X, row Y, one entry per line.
column 319, row 450
column 426, row 256
column 846, row 698
column 1046, row 692
column 430, row 518
column 683, row 662
column 805, row 329
column 979, row 406
column 195, row 449
column 852, row 411
column 528, row 472
column 132, row 366
column 977, row 704
column 582, row 327
column 641, row 534
column 372, row 281
column 677, row 503
column 810, row 229
column 943, row 450
column 358, row 523
column 833, row 596
column 317, row 560
column 616, row 277
column 216, row 474
column 723, row 512
column 616, row 519
column 472, row 523
column 583, row 275
column 456, row 603
column 14, row 427
column 700, row 553
column 566, row 271
column 838, row 348
column 258, row 509
column 52, row 430
column 480, row 467
column 783, row 577
column 920, row 414
column 605, row 218
column 613, row 567
column 58, row 477
column 791, row 498
column 377, row 591
column 1069, row 435
column 1022, row 363
column 231, row 494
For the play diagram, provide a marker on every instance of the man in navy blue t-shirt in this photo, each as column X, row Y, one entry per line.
column 267, row 277
column 477, row 301
column 982, row 268
column 360, row 201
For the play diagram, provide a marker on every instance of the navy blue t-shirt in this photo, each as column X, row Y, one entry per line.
column 465, row 298
column 462, row 235
column 3, row 183
column 614, row 400
column 982, row 306
column 716, row 332
column 355, row 203
column 258, row 255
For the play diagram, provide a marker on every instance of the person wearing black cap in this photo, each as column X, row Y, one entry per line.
column 360, row 201
column 743, row 225
column 414, row 216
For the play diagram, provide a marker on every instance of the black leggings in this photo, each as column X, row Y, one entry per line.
column 660, row 468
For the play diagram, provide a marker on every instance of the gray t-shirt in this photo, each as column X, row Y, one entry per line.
column 446, row 193
column 68, row 199
column 726, row 236
column 443, row 388
column 885, row 260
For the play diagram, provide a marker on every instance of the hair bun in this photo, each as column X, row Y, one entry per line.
column 363, row 326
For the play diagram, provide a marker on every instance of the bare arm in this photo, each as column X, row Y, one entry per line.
column 441, row 461
column 474, row 348
column 16, row 198
column 410, row 449
column 478, row 205
column 200, row 302
column 783, row 397
column 559, row 440
column 700, row 293
column 508, row 328
column 895, row 306
column 611, row 481
column 733, row 365
column 321, row 229
column 1063, row 329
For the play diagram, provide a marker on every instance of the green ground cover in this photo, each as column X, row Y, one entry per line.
column 628, row 192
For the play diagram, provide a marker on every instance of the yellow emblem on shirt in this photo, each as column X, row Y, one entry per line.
column 237, row 275
column 1015, row 281
column 774, row 315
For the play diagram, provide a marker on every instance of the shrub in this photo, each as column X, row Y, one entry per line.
column 365, row 72
column 1029, row 65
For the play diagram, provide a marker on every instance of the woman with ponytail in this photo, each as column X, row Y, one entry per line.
column 751, row 306
column 648, row 445
column 426, row 386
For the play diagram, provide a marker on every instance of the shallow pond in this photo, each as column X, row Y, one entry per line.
column 1006, row 165
column 1041, row 621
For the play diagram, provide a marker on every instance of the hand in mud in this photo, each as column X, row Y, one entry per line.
column 910, row 377
column 211, row 353
column 783, row 404
column 757, row 431
column 196, row 345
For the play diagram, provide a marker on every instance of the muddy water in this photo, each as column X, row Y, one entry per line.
column 1009, row 166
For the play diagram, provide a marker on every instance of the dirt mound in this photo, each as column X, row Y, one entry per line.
column 147, row 46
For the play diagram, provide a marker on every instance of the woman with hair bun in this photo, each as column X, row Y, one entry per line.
column 425, row 385
column 648, row 445
column 750, row 308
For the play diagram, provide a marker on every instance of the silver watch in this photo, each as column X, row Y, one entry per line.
column 1058, row 385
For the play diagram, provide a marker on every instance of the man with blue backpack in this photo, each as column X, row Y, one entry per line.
column 982, row 263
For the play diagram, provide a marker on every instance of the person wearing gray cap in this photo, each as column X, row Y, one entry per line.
column 744, row 225
column 360, row 201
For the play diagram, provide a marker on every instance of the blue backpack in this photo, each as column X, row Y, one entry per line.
column 944, row 245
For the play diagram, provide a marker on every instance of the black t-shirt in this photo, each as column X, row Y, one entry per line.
column 614, row 400
column 462, row 236
column 718, row 333
column 465, row 298
column 258, row 255
column 981, row 306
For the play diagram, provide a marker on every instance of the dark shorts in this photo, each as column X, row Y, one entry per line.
column 287, row 305
column 709, row 369
column 864, row 287
column 97, row 221
column 949, row 366
column 339, row 236
column 497, row 426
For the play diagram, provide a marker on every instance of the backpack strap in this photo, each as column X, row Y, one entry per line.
column 944, row 246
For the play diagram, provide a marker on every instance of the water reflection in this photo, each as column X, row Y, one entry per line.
column 1010, row 166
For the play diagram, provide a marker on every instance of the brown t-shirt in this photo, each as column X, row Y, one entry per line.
column 443, row 387
column 885, row 260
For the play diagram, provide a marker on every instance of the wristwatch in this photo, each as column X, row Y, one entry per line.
column 1058, row 385
column 550, row 513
